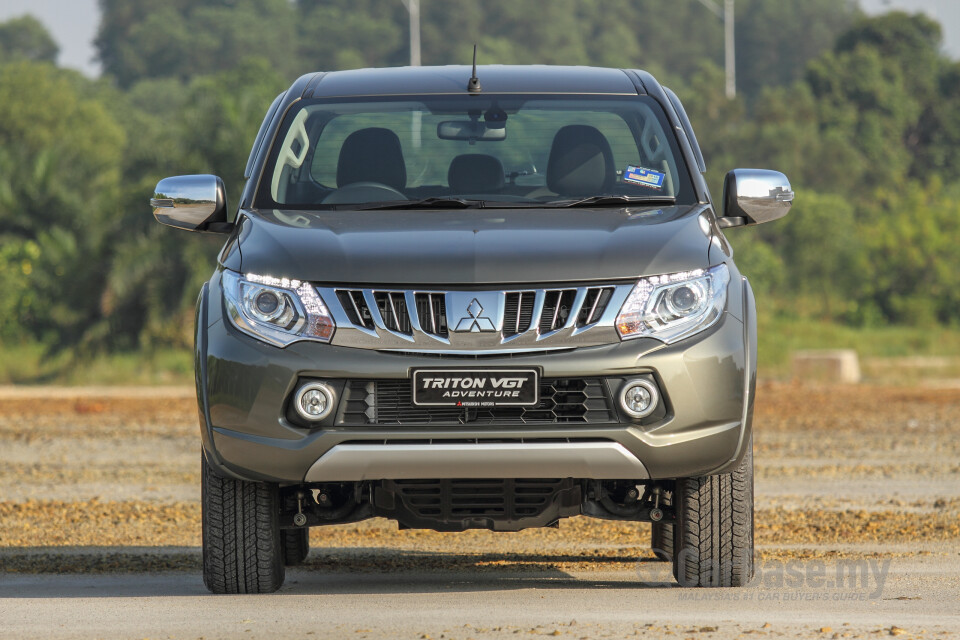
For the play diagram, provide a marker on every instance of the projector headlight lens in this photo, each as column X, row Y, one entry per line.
column 267, row 303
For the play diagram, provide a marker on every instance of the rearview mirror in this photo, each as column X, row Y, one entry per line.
column 194, row 203
column 470, row 130
column 753, row 196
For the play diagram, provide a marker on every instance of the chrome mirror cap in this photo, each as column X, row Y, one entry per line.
column 756, row 195
column 194, row 203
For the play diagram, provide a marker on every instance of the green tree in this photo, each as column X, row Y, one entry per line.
column 760, row 263
column 349, row 35
column 888, row 102
column 207, row 126
column 25, row 38
column 141, row 39
column 720, row 124
column 822, row 251
column 17, row 259
column 910, row 235
column 61, row 153
column 776, row 39
column 59, row 173
column 220, row 117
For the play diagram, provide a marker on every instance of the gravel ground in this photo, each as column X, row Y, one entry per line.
column 100, row 508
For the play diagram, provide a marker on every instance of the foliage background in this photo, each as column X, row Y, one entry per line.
column 863, row 114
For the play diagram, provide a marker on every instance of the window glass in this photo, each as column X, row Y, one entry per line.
column 496, row 149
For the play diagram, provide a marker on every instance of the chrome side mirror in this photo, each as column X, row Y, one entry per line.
column 753, row 196
column 194, row 203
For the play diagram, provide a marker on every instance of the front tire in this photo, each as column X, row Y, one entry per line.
column 242, row 550
column 713, row 535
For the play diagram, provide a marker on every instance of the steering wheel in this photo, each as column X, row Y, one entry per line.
column 359, row 192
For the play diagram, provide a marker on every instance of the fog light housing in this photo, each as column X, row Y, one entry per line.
column 639, row 398
column 314, row 401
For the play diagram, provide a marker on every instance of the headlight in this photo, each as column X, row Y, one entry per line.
column 674, row 306
column 276, row 310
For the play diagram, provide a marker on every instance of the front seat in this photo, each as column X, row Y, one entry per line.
column 581, row 162
column 475, row 173
column 372, row 155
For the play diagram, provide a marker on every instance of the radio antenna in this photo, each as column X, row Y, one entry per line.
column 473, row 86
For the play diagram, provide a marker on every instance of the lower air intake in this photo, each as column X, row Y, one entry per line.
column 562, row 401
column 499, row 504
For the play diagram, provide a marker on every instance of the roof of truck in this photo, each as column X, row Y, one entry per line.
column 453, row 80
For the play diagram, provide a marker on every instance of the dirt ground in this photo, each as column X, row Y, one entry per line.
column 105, row 483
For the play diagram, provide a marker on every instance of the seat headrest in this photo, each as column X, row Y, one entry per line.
column 372, row 155
column 475, row 173
column 581, row 162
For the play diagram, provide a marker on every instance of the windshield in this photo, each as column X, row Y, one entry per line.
column 474, row 151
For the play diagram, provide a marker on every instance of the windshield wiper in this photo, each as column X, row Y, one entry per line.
column 426, row 203
column 599, row 201
column 464, row 203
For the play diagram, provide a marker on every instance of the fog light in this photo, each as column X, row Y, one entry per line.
column 639, row 398
column 314, row 401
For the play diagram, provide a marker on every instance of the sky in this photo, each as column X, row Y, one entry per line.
column 73, row 24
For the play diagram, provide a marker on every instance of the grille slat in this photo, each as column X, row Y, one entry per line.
column 594, row 304
column 557, row 305
column 562, row 401
column 355, row 306
column 393, row 309
column 511, row 314
column 432, row 313
column 517, row 312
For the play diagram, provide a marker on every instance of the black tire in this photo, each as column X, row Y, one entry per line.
column 661, row 533
column 295, row 542
column 242, row 550
column 296, row 546
column 713, row 536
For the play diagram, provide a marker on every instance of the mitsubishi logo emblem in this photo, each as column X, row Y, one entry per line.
column 474, row 322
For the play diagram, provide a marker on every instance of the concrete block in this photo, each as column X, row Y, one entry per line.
column 834, row 365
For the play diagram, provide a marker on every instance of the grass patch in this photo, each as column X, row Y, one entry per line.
column 30, row 363
column 27, row 363
column 160, row 367
column 779, row 337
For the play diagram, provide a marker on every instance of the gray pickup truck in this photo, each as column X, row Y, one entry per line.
column 475, row 298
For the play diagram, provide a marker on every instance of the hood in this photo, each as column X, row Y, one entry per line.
column 470, row 246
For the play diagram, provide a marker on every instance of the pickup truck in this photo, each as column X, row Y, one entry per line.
column 475, row 298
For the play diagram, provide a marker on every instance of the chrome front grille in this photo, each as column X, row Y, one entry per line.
column 475, row 321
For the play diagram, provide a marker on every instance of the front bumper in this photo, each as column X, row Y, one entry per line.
column 243, row 386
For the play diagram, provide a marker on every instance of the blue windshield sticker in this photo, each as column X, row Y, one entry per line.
column 646, row 177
